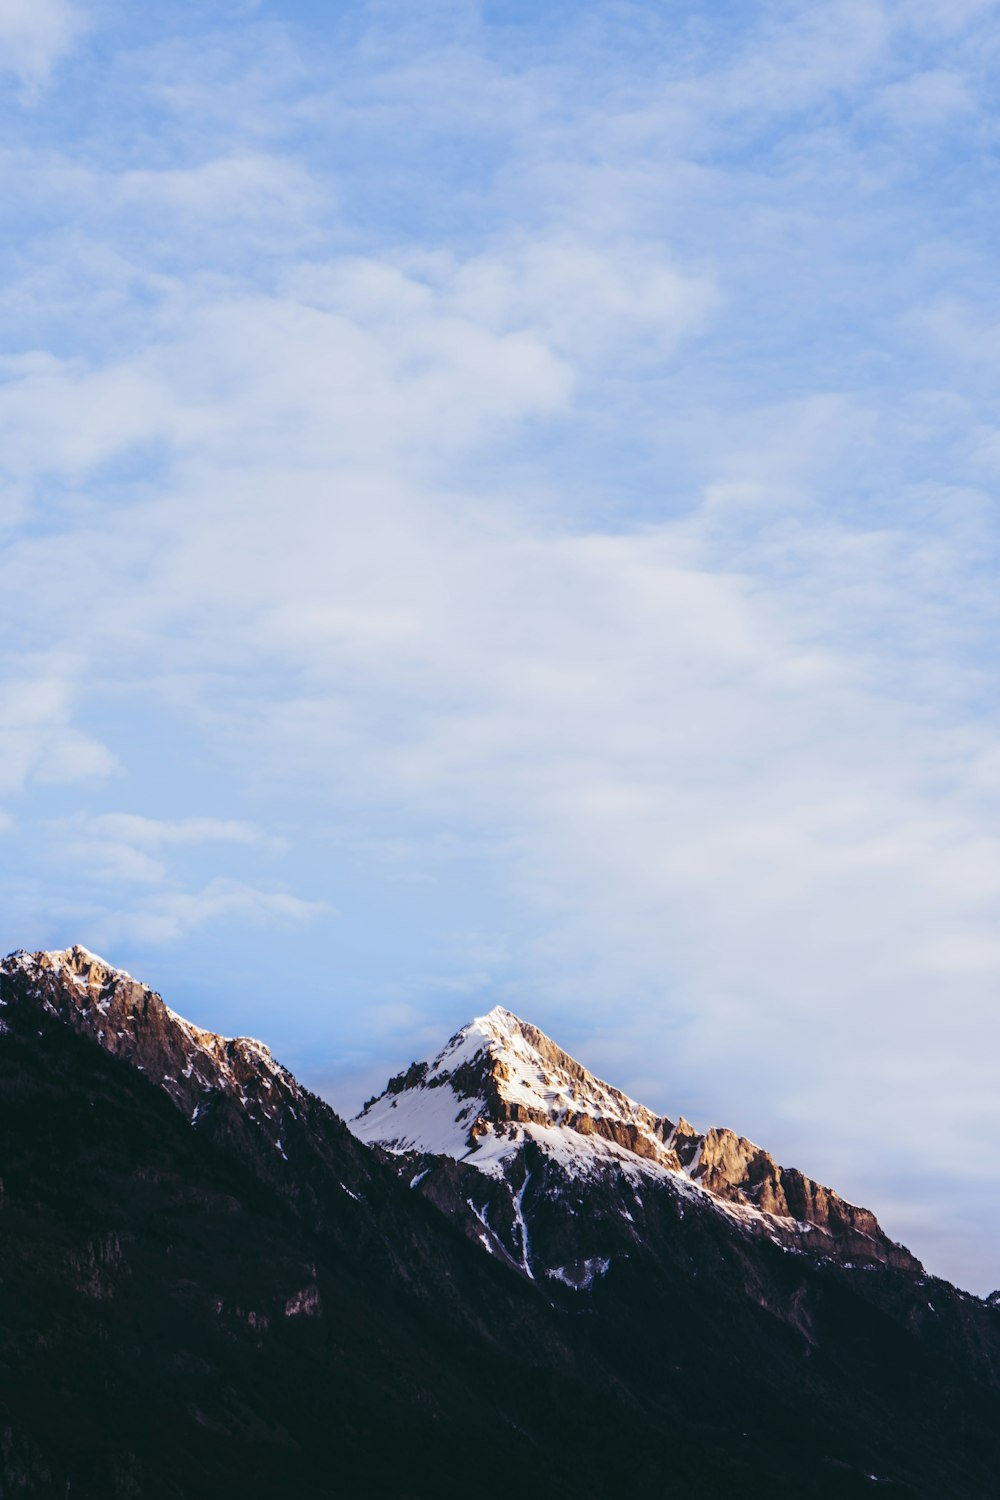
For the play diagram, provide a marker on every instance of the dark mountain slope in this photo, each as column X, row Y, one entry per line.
column 186, row 1310
column 169, row 1326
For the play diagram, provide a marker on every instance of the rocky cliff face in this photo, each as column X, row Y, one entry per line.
column 193, row 1067
column 230, row 1089
column 538, row 1143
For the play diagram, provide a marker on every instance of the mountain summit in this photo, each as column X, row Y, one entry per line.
column 502, row 1071
column 506, row 1102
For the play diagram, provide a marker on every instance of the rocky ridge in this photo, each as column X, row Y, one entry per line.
column 230, row 1089
column 501, row 1101
column 536, row 1129
column 131, row 1021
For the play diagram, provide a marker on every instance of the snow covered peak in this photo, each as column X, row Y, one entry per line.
column 76, row 962
column 491, row 1034
column 503, row 1098
column 499, row 1023
column 498, row 1080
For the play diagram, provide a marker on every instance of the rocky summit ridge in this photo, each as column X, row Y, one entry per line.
column 527, row 1127
column 501, row 1088
column 131, row 1021
column 230, row 1089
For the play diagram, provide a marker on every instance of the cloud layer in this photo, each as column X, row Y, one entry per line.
column 468, row 534
column 34, row 35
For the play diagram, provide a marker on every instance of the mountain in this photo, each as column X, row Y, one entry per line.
column 502, row 1122
column 189, row 1310
column 209, row 1286
column 701, row 1264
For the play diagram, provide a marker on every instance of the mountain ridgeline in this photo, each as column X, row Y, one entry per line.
column 533, row 1133
column 211, row 1285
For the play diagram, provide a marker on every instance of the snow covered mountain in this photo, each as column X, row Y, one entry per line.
column 534, row 1155
column 210, row 1289
column 514, row 1258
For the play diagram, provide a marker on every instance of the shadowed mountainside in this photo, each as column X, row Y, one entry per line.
column 189, row 1308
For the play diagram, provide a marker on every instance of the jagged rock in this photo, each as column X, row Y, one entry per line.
column 547, row 1142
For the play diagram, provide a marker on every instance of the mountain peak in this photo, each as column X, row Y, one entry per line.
column 198, row 1070
column 501, row 1092
column 499, row 1017
column 88, row 971
column 500, row 1076
column 77, row 961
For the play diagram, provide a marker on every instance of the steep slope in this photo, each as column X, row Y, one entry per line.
column 699, row 1263
column 539, row 1129
column 199, row 1071
column 187, row 1309
column 169, row 1327
column 238, row 1099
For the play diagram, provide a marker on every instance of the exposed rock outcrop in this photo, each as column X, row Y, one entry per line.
column 502, row 1095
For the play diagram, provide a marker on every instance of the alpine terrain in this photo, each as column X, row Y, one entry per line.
column 553, row 1166
column 505, row 1271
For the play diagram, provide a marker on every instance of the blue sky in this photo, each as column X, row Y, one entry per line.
column 498, row 503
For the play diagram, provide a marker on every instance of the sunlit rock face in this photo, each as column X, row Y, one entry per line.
column 231, row 1091
column 226, row 1086
column 558, row 1172
column 131, row 1021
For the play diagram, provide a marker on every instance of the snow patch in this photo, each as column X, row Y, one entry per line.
column 582, row 1274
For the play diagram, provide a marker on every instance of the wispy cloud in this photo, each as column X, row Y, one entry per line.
column 170, row 916
column 157, row 833
column 34, row 35
column 127, row 848
column 39, row 741
column 586, row 495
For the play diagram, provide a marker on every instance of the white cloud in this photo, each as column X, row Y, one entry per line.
column 575, row 537
column 942, row 17
column 129, row 849
column 34, row 35
column 39, row 741
column 246, row 188
column 58, row 415
column 798, row 57
column 154, row 833
column 584, row 300
column 274, row 374
column 151, row 918
column 170, row 916
column 928, row 98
